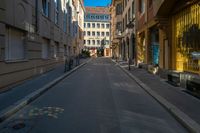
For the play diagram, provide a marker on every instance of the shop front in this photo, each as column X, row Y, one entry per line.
column 186, row 39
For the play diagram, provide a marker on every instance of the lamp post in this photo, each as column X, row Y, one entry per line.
column 129, row 26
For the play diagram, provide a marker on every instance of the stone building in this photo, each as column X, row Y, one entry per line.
column 35, row 36
column 123, row 29
column 97, row 30
column 116, row 28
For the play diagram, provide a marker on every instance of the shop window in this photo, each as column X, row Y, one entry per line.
column 186, row 39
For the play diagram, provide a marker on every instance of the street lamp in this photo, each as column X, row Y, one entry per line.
column 129, row 26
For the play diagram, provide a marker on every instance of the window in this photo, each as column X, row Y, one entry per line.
column 106, row 17
column 98, row 42
column 84, row 33
column 45, row 8
column 119, row 26
column 93, row 42
column 98, row 25
column 93, row 25
column 107, row 33
column 102, row 17
column 84, row 25
column 97, row 16
column 84, row 41
column 102, row 26
column 141, row 6
column 107, row 26
column 133, row 8
column 102, row 34
column 88, row 25
column 88, row 33
column 65, row 22
column 93, row 33
column 56, row 11
column 92, row 17
column 15, row 47
column 119, row 9
column 98, row 33
column 88, row 42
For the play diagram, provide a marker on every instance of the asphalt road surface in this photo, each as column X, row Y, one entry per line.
column 98, row 98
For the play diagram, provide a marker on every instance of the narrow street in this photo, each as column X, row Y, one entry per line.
column 98, row 98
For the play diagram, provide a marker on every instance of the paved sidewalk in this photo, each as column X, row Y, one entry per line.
column 18, row 92
column 175, row 95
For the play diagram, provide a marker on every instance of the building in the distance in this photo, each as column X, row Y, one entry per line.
column 97, row 30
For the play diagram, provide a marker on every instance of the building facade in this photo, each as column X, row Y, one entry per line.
column 97, row 30
column 149, row 50
column 116, row 28
column 36, row 40
column 123, row 29
column 179, row 23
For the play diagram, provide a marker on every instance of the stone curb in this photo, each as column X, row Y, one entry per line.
column 184, row 119
column 6, row 113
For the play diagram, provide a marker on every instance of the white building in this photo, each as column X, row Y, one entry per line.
column 97, row 30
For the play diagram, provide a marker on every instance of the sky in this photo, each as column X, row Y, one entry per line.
column 96, row 2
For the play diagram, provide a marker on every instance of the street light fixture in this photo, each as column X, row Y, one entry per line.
column 129, row 26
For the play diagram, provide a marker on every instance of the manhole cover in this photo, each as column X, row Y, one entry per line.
column 18, row 126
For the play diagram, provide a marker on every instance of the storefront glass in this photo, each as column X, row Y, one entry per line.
column 187, row 39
